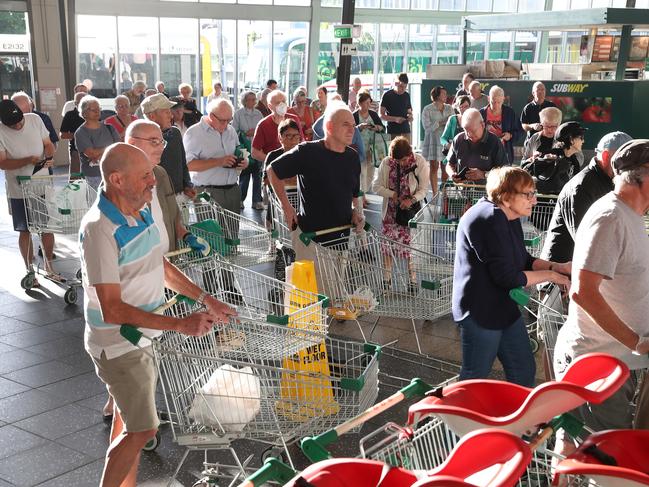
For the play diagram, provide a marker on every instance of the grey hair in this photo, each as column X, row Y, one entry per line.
column 495, row 89
column 135, row 129
column 551, row 114
column 185, row 85
column 20, row 94
column 214, row 105
column 333, row 108
column 246, row 94
column 121, row 97
column 634, row 176
column 139, row 84
column 85, row 101
column 469, row 115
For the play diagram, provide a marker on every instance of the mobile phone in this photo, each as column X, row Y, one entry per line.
column 39, row 165
column 462, row 173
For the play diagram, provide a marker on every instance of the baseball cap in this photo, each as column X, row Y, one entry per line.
column 634, row 153
column 156, row 102
column 177, row 101
column 568, row 130
column 10, row 114
column 612, row 141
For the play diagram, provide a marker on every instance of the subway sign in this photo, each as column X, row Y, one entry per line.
column 568, row 87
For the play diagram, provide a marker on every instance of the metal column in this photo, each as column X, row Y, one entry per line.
column 345, row 64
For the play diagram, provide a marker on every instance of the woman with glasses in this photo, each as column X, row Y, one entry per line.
column 490, row 260
column 540, row 143
column 92, row 138
column 123, row 118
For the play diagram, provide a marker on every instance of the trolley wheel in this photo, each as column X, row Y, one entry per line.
column 534, row 345
column 28, row 281
column 70, row 296
column 78, row 274
column 153, row 443
column 274, row 452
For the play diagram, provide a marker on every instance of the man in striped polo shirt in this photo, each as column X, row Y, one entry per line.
column 124, row 275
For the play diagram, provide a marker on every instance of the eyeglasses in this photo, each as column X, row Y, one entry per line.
column 291, row 136
column 222, row 120
column 550, row 126
column 155, row 142
column 530, row 195
column 122, row 106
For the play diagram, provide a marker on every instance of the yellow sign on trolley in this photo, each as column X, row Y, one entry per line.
column 308, row 392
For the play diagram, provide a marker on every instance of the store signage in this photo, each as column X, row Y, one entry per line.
column 568, row 87
column 14, row 43
column 347, row 31
column 349, row 50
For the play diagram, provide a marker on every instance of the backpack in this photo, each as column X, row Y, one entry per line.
column 550, row 173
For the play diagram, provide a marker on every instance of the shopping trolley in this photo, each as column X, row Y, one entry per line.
column 260, row 387
column 237, row 238
column 55, row 204
column 280, row 227
column 364, row 272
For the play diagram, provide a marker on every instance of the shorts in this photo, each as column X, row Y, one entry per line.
column 131, row 381
column 37, row 215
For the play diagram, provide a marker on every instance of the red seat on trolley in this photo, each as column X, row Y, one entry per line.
column 473, row 404
column 611, row 458
column 352, row 472
column 484, row 458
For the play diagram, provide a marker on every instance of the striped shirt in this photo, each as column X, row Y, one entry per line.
column 119, row 249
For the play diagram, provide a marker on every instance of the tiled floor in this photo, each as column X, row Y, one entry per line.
column 51, row 429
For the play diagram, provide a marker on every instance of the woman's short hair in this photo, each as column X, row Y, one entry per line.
column 124, row 98
column 246, row 94
column 364, row 95
column 181, row 86
column 496, row 90
column 287, row 123
column 298, row 93
column 460, row 100
column 86, row 101
column 504, row 182
column 323, row 89
column 399, row 148
column 551, row 114
column 436, row 92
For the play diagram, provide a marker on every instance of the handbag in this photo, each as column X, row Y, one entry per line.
column 550, row 174
column 402, row 216
column 379, row 148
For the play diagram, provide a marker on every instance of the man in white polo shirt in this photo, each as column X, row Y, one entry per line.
column 25, row 148
column 124, row 275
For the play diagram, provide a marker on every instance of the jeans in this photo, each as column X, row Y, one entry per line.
column 244, row 181
column 481, row 346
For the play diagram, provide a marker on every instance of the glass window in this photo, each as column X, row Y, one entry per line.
column 555, row 47
column 451, row 4
column 97, row 45
column 475, row 45
column 499, row 44
column 395, row 3
column 478, row 5
column 424, row 4
column 254, row 52
column 218, row 1
column 368, row 4
column 525, row 46
column 328, row 55
column 138, row 48
column 603, row 3
column 505, row 6
column 218, row 46
column 178, row 53
column 293, row 3
column 574, row 4
column 15, row 59
column 640, row 3
column 289, row 54
column 531, row 5
column 331, row 3
column 573, row 47
column 448, row 44
column 256, row 2
column 392, row 50
column 420, row 47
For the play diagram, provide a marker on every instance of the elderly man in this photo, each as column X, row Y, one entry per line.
column 530, row 119
column 478, row 99
column 265, row 139
column 120, row 290
column 610, row 289
column 70, row 104
column 25, row 147
column 69, row 125
column 540, row 143
column 210, row 146
column 578, row 195
column 157, row 108
column 354, row 91
column 475, row 151
column 136, row 95
column 328, row 173
column 26, row 105
column 396, row 108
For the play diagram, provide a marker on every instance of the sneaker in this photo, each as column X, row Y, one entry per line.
column 259, row 206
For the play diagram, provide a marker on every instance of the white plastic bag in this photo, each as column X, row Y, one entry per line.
column 73, row 196
column 231, row 398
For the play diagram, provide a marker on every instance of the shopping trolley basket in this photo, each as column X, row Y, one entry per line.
column 281, row 229
column 54, row 204
column 237, row 238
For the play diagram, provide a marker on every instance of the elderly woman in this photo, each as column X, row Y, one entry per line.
column 245, row 121
column 491, row 259
column 303, row 112
column 190, row 110
column 319, row 105
column 92, row 138
column 501, row 120
column 434, row 117
column 135, row 95
column 123, row 118
column 262, row 104
column 540, row 143
column 217, row 92
column 368, row 122
column 402, row 180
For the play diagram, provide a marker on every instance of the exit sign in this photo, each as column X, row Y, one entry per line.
column 347, row 31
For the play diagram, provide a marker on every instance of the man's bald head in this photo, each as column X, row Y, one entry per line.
column 23, row 101
column 120, row 158
column 141, row 128
column 147, row 136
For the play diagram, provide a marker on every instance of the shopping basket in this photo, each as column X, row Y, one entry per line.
column 239, row 239
column 56, row 204
column 281, row 228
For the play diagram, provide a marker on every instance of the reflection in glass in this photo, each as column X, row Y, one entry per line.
column 420, row 48
column 178, row 53
column 138, row 47
column 475, row 45
column 97, row 45
column 15, row 70
column 478, row 5
column 499, row 44
column 289, row 54
column 218, row 46
column 525, row 46
column 448, row 44
column 451, row 4
column 254, row 54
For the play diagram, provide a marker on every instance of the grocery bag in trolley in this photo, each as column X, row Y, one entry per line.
column 66, row 205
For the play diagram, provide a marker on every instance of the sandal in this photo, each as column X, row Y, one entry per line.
column 55, row 277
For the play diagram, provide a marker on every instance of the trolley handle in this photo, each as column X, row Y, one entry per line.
column 307, row 237
column 314, row 447
column 272, row 470
column 520, row 296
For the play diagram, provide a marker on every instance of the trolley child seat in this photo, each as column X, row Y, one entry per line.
column 616, row 458
column 472, row 404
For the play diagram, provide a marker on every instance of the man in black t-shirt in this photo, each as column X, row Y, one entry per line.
column 530, row 119
column 69, row 125
column 396, row 108
column 328, row 176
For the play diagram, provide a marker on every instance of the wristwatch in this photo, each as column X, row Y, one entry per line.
column 201, row 298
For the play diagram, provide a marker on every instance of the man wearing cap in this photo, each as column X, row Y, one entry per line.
column 610, row 286
column 577, row 196
column 25, row 148
column 157, row 108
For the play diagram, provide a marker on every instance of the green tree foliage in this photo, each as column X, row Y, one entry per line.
column 12, row 23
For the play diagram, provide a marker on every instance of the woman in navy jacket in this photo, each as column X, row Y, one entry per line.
column 491, row 259
column 501, row 120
